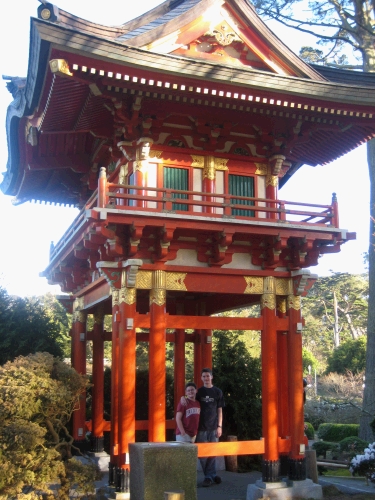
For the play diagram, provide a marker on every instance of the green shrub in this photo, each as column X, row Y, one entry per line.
column 322, row 447
column 353, row 444
column 309, row 430
column 337, row 432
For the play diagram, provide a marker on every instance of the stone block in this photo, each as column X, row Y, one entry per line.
column 284, row 490
column 156, row 468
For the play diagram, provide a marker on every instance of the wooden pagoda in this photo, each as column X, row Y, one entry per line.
column 172, row 133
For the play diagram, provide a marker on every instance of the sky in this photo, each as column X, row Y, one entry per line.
column 27, row 230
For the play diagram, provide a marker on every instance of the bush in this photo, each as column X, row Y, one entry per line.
column 350, row 355
column 337, row 432
column 353, row 444
column 322, row 447
column 309, row 430
column 364, row 465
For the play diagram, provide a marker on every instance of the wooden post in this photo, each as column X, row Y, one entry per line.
column 79, row 364
column 157, row 377
column 231, row 463
column 282, row 371
column 297, row 462
column 114, row 386
column 197, row 357
column 208, row 184
column 102, row 188
column 97, row 433
column 206, row 349
column 127, row 368
column 179, row 366
column 270, row 464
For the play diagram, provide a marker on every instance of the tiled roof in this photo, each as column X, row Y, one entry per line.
column 180, row 9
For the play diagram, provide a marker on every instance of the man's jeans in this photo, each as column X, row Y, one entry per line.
column 208, row 464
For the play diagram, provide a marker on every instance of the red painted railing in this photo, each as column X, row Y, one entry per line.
column 130, row 198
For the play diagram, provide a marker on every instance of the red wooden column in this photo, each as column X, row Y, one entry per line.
column 208, row 183
column 197, row 357
column 122, row 278
column 157, row 376
column 127, row 368
column 270, row 463
column 114, row 462
column 297, row 462
column 207, row 349
column 179, row 366
column 272, row 182
column 140, row 167
column 282, row 370
column 79, row 364
column 97, row 432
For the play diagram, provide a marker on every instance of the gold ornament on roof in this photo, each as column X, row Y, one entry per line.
column 45, row 14
column 60, row 67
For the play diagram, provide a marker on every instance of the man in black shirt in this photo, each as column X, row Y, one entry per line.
column 210, row 423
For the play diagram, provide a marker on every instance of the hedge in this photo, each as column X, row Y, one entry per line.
column 309, row 430
column 322, row 447
column 353, row 444
column 337, row 432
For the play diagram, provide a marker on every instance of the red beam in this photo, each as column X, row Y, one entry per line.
column 211, row 322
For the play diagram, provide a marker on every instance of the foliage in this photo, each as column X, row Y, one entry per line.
column 29, row 325
column 309, row 360
column 38, row 394
column 339, row 302
column 238, row 376
column 350, row 355
column 335, row 23
column 353, row 444
column 321, row 447
column 364, row 464
column 339, row 24
column 337, row 432
column 309, row 430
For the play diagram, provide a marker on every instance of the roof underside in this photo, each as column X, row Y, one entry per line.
column 115, row 84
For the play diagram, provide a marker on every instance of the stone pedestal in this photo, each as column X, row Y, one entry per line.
column 101, row 459
column 156, row 468
column 285, row 490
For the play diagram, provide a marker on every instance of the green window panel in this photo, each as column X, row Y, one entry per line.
column 176, row 178
column 241, row 185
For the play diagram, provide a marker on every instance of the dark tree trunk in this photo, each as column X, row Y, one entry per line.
column 368, row 409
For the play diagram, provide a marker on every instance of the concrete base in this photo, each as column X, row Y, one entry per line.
column 156, row 468
column 285, row 490
column 101, row 459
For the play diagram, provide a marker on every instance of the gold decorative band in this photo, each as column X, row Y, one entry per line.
column 158, row 296
column 268, row 300
column 128, row 295
column 79, row 316
column 281, row 304
column 159, row 280
column 294, row 302
column 254, row 285
column 115, row 297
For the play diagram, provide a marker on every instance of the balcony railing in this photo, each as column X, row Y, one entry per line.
column 226, row 207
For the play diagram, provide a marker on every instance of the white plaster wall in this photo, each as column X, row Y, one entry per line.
column 197, row 186
column 152, row 182
column 261, row 184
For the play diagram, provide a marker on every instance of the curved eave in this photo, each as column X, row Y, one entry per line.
column 118, row 54
column 24, row 104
